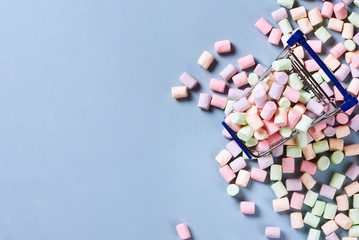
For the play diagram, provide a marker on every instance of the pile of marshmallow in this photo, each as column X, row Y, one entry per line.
column 278, row 106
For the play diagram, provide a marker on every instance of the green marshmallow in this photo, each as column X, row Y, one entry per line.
column 317, row 78
column 314, row 234
column 318, row 208
column 337, row 180
column 330, row 211
column 295, row 82
column 279, row 189
column 285, row 132
column 311, row 220
column 304, row 124
column 294, row 151
column 301, row 140
column 356, row 3
column 245, row 133
column 354, row 231
column 324, row 75
column 310, row 198
column 304, row 96
column 276, row 172
column 251, row 142
column 323, row 163
column 322, row 34
column 285, row 26
column 284, row 102
column 239, row 118
column 286, row 3
column 229, row 105
column 252, row 79
column 282, row 64
column 354, row 19
column 354, row 215
column 321, row 146
column 356, row 200
column 350, row 45
column 337, row 157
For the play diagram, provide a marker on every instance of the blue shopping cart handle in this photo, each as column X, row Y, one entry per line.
column 349, row 100
column 235, row 138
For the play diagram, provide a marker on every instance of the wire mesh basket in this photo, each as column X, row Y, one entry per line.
column 310, row 85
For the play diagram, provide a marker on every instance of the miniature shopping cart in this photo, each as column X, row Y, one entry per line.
column 310, row 85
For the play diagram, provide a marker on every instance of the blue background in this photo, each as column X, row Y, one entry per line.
column 92, row 145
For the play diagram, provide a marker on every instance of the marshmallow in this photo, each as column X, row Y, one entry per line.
column 243, row 178
column 204, row 101
column 232, row 190
column 218, row 101
column 258, row 174
column 247, row 207
column 337, row 181
column 311, row 220
column 316, row 45
column 265, row 162
column 352, row 172
column 205, row 60
column 348, row 31
column 275, row 36
column 222, row 46
column 291, row 94
column 228, row 72
column 272, row 232
column 343, row 221
column 298, row 13
column 295, row 82
column 240, row 79
column 329, row 227
column 342, row 202
column 183, row 231
column 308, row 167
column 293, row 118
column 263, row 26
column 246, row 62
column 331, row 62
column 279, row 14
column 327, row 191
column 311, row 65
column 286, row 3
column 217, row 85
column 329, row 211
column 241, row 105
column 276, row 91
column 281, row 77
column 296, row 220
column 293, row 185
column 323, row 163
column 281, row 204
column 187, row 80
column 305, row 25
column 318, row 208
column 315, row 16
column 238, row 164
column 280, row 118
column 260, row 98
column 327, row 9
column 350, row 45
column 342, row 131
column 297, row 200
column 282, row 64
column 260, row 69
column 335, row 24
column 354, row 123
column 314, row 234
column 354, row 19
column 304, row 123
column 310, row 198
column 254, row 121
column 342, row 72
column 340, row 11
column 351, row 150
column 288, row 165
column 227, row 173
column 338, row 50
column 285, row 26
column 322, row 34
column 276, row 172
column 179, row 92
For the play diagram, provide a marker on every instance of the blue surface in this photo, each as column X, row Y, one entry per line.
column 92, row 146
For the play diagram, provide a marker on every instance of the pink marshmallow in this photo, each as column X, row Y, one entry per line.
column 275, row 36
column 238, row 164
column 354, row 123
column 276, row 91
column 233, row 148
column 327, row 191
column 297, row 200
column 330, row 121
column 288, row 165
column 227, row 173
column 241, row 105
column 293, row 184
column 260, row 69
column 318, row 127
column 247, row 207
column 218, row 101
column 327, row 9
column 329, row 131
column 342, row 118
column 263, row 26
column 268, row 110
column 265, row 162
column 262, row 146
column 217, row 85
column 246, row 62
column 342, row 72
column 258, row 174
column 316, row 45
column 311, row 65
column 338, row 50
column 278, row 151
column 260, row 98
column 235, row 93
column 234, row 127
column 352, row 172
column 254, row 121
column 340, row 11
column 228, row 72
column 240, row 79
column 226, row 134
column 274, row 139
column 183, row 231
column 355, row 61
column 325, row 87
column 204, row 101
column 270, row 127
column 187, row 80
column 308, row 167
column 222, row 46
column 354, row 70
column 272, row 232
column 292, row 94
column 281, row 77
column 279, row 14
column 293, row 118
